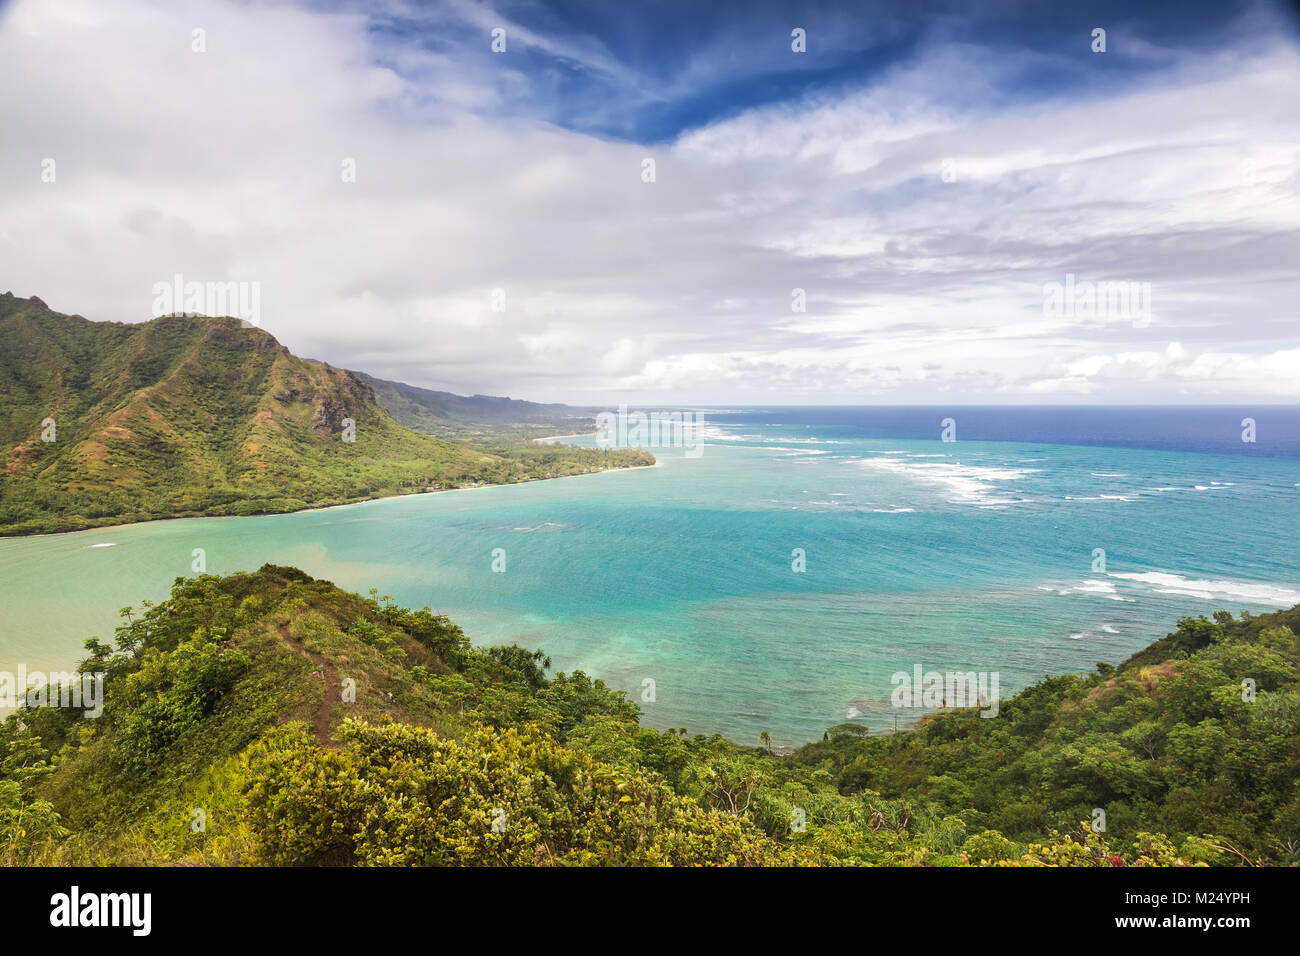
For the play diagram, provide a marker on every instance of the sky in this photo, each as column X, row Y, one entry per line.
column 912, row 208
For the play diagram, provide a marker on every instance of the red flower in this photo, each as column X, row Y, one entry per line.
column 1116, row 861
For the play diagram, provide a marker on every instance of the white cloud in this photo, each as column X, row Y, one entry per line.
column 226, row 165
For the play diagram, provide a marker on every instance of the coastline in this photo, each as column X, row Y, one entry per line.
column 5, row 535
column 546, row 438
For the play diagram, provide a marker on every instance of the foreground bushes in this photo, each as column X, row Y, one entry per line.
column 223, row 704
column 402, row 795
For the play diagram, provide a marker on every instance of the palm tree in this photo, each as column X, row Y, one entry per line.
column 766, row 740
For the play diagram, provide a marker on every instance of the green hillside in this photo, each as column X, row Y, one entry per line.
column 227, row 737
column 444, row 413
column 505, row 428
column 202, row 416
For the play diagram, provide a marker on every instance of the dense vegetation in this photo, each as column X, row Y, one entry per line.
column 1170, row 741
column 455, row 416
column 197, row 416
column 229, row 699
column 504, row 428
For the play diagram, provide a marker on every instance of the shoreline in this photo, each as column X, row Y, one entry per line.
column 4, row 536
column 546, row 438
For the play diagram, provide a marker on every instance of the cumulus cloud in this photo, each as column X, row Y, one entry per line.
column 923, row 208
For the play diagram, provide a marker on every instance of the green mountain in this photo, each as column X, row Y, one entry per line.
column 430, row 411
column 270, row 718
column 105, row 423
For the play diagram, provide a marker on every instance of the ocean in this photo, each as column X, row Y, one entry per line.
column 780, row 579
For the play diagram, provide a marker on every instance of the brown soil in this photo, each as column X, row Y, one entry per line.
column 333, row 689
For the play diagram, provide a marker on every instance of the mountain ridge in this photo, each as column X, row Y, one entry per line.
column 314, row 726
column 108, row 423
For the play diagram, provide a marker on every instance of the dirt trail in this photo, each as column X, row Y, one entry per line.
column 333, row 689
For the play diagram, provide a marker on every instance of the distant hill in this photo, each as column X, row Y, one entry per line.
column 105, row 422
column 427, row 410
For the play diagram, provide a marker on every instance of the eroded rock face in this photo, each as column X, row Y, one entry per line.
column 328, row 417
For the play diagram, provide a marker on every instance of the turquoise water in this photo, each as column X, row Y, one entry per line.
column 974, row 555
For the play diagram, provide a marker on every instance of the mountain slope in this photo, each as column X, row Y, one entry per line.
column 197, row 416
column 432, row 412
column 231, row 698
column 1198, row 734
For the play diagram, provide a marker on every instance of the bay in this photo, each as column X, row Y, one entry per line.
column 678, row 583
